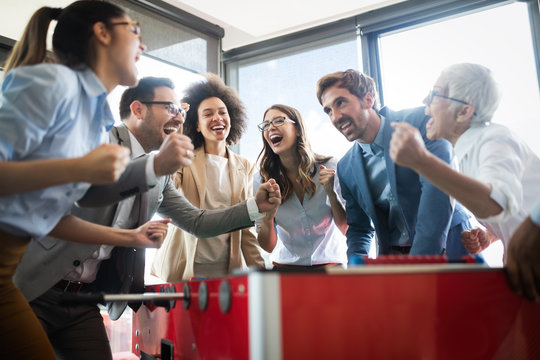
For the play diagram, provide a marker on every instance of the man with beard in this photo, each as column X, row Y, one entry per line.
column 409, row 215
column 151, row 117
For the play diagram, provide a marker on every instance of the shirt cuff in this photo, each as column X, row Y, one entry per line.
column 535, row 214
column 253, row 209
column 151, row 178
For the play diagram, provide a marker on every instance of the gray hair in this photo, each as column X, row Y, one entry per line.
column 474, row 84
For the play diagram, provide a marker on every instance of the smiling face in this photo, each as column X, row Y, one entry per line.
column 213, row 120
column 283, row 138
column 349, row 114
column 156, row 123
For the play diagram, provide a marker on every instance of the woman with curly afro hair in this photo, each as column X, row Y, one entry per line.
column 217, row 178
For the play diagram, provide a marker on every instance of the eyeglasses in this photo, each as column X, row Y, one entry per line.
column 432, row 94
column 172, row 109
column 277, row 122
column 135, row 27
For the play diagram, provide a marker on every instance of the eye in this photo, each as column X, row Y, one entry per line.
column 279, row 121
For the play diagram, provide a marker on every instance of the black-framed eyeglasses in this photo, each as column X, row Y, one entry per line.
column 277, row 122
column 135, row 27
column 172, row 109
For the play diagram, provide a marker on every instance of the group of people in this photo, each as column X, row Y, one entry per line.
column 78, row 192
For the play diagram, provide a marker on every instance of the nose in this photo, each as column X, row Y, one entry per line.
column 334, row 116
column 179, row 117
column 142, row 47
column 426, row 101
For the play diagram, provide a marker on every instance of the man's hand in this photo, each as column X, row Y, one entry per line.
column 268, row 197
column 326, row 179
column 151, row 234
column 104, row 164
column 407, row 147
column 523, row 260
column 477, row 240
column 175, row 152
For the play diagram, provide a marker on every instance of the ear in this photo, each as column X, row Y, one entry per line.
column 368, row 101
column 137, row 109
column 101, row 33
column 465, row 113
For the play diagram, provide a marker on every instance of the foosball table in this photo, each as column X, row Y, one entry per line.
column 417, row 310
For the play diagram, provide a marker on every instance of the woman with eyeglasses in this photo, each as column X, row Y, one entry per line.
column 308, row 228
column 217, row 178
column 499, row 178
column 53, row 118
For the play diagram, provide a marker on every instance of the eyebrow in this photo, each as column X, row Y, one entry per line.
column 211, row 109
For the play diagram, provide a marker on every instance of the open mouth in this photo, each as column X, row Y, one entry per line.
column 218, row 128
column 275, row 139
column 171, row 127
column 344, row 127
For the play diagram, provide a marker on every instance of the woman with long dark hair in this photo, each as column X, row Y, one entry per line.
column 53, row 118
column 307, row 229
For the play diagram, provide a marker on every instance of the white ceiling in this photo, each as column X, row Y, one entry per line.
column 244, row 21
column 249, row 21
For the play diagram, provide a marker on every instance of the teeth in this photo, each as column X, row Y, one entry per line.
column 345, row 125
column 170, row 128
column 218, row 128
column 272, row 137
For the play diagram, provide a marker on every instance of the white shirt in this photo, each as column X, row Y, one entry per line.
column 212, row 256
column 306, row 232
column 493, row 155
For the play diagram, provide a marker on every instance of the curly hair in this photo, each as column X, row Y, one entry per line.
column 213, row 86
column 270, row 164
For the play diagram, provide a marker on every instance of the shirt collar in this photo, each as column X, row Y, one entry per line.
column 94, row 88
column 468, row 139
column 378, row 141
column 136, row 148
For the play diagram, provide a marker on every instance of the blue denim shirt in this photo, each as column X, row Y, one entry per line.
column 48, row 111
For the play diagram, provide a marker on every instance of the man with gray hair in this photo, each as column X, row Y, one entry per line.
column 499, row 180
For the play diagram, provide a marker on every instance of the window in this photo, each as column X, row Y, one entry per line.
column 411, row 61
column 291, row 80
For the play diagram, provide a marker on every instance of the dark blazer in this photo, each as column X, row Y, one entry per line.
column 427, row 211
column 48, row 260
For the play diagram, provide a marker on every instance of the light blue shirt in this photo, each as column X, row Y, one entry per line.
column 381, row 193
column 306, row 232
column 48, row 111
column 535, row 214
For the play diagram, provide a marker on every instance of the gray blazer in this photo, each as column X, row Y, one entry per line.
column 49, row 260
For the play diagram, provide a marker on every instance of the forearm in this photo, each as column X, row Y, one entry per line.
column 473, row 194
column 72, row 228
column 267, row 235
column 23, row 176
column 338, row 213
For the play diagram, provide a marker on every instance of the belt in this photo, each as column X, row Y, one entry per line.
column 72, row 286
column 404, row 250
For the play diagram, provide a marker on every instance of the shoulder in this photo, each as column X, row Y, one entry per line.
column 241, row 162
column 414, row 116
column 50, row 76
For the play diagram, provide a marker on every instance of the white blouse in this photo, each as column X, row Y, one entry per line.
column 306, row 232
column 492, row 154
